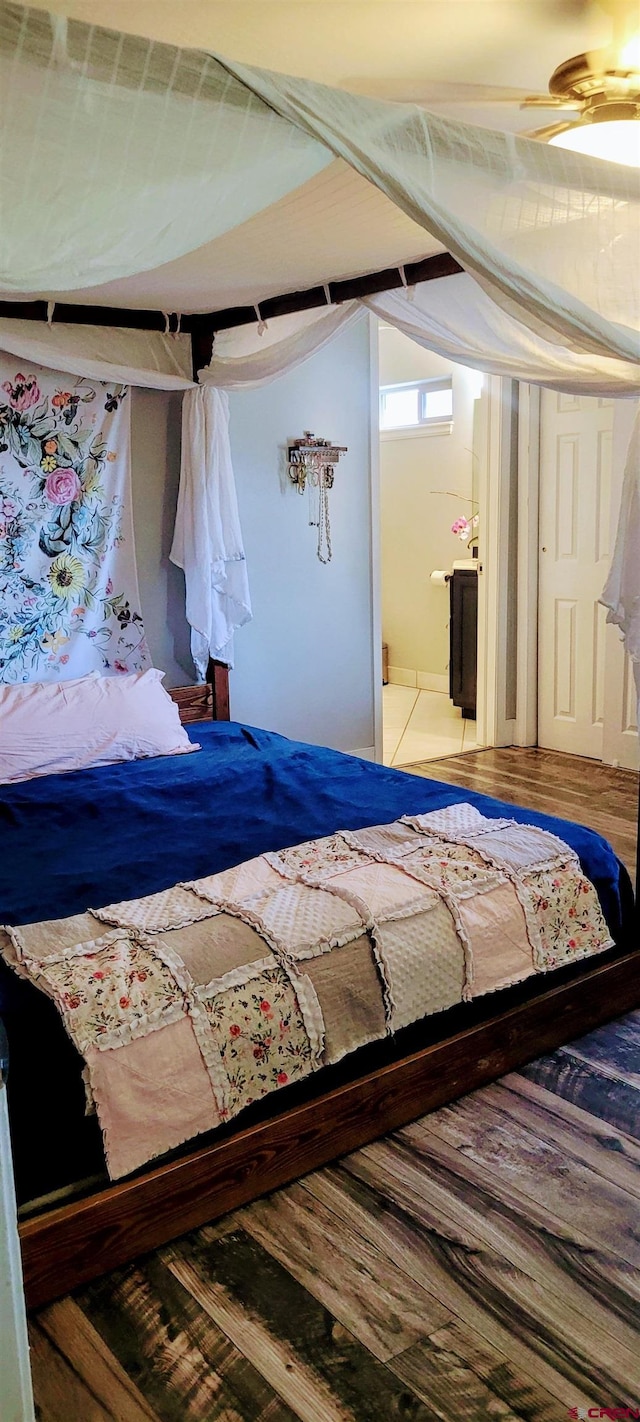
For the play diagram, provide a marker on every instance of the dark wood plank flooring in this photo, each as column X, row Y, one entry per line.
column 571, row 786
column 481, row 1263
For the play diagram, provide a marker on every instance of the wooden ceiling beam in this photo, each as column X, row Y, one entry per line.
column 70, row 313
column 202, row 326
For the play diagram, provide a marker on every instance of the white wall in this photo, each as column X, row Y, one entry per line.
column 417, row 475
column 304, row 665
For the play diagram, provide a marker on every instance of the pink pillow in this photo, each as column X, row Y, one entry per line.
column 48, row 727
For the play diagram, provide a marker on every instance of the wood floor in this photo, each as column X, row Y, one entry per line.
column 480, row 1264
column 570, row 786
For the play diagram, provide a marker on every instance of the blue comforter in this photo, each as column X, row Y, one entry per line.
column 91, row 837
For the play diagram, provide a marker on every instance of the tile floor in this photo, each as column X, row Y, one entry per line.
column 422, row 725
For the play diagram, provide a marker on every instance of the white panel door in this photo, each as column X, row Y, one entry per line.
column 585, row 700
column 621, row 745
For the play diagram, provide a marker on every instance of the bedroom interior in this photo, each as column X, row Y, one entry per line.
column 250, row 317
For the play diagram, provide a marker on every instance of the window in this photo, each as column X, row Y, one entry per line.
column 416, row 407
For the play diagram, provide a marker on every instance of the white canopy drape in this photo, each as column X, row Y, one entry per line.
column 455, row 318
column 168, row 149
column 207, row 541
column 167, row 154
column 146, row 358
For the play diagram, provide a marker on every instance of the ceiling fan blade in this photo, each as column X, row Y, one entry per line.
column 549, row 101
column 418, row 90
column 549, row 131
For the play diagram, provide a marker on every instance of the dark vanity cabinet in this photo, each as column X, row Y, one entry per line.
column 463, row 640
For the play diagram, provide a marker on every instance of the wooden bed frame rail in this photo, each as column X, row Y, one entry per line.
column 69, row 1245
column 205, row 700
column 72, row 1244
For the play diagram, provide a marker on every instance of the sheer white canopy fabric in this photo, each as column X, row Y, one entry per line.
column 455, row 317
column 160, row 148
column 548, row 232
column 129, row 357
column 166, row 149
column 248, row 356
column 452, row 316
column 207, row 541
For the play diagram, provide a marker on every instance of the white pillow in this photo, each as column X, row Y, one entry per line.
column 48, row 727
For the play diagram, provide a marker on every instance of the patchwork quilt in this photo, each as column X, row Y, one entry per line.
column 189, row 1004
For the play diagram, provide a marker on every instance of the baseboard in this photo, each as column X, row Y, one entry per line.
column 402, row 676
column 424, row 681
column 365, row 752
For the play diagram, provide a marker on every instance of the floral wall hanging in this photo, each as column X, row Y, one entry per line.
column 69, row 600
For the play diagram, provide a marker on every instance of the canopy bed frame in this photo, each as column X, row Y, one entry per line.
column 202, row 327
column 444, row 1056
column 337, row 1111
column 65, row 1246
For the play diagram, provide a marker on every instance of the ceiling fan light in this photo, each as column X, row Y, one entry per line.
column 630, row 53
column 617, row 140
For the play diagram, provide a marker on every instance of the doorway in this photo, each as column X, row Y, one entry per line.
column 430, row 458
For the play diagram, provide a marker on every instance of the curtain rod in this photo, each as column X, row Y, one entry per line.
column 443, row 264
column 429, row 269
column 201, row 327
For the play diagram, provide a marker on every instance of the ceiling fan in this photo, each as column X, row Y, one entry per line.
column 593, row 91
column 600, row 90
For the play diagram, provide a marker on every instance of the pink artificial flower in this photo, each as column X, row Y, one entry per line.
column 460, row 526
column 62, row 486
column 23, row 393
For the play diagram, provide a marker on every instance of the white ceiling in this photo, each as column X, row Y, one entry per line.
column 401, row 49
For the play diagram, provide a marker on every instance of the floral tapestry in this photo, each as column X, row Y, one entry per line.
column 69, row 601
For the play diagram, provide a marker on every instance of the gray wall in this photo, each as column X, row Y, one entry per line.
column 155, row 465
column 304, row 665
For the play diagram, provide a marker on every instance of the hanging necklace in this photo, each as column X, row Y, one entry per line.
column 324, row 527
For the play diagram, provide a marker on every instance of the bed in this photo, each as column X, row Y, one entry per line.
column 247, row 792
